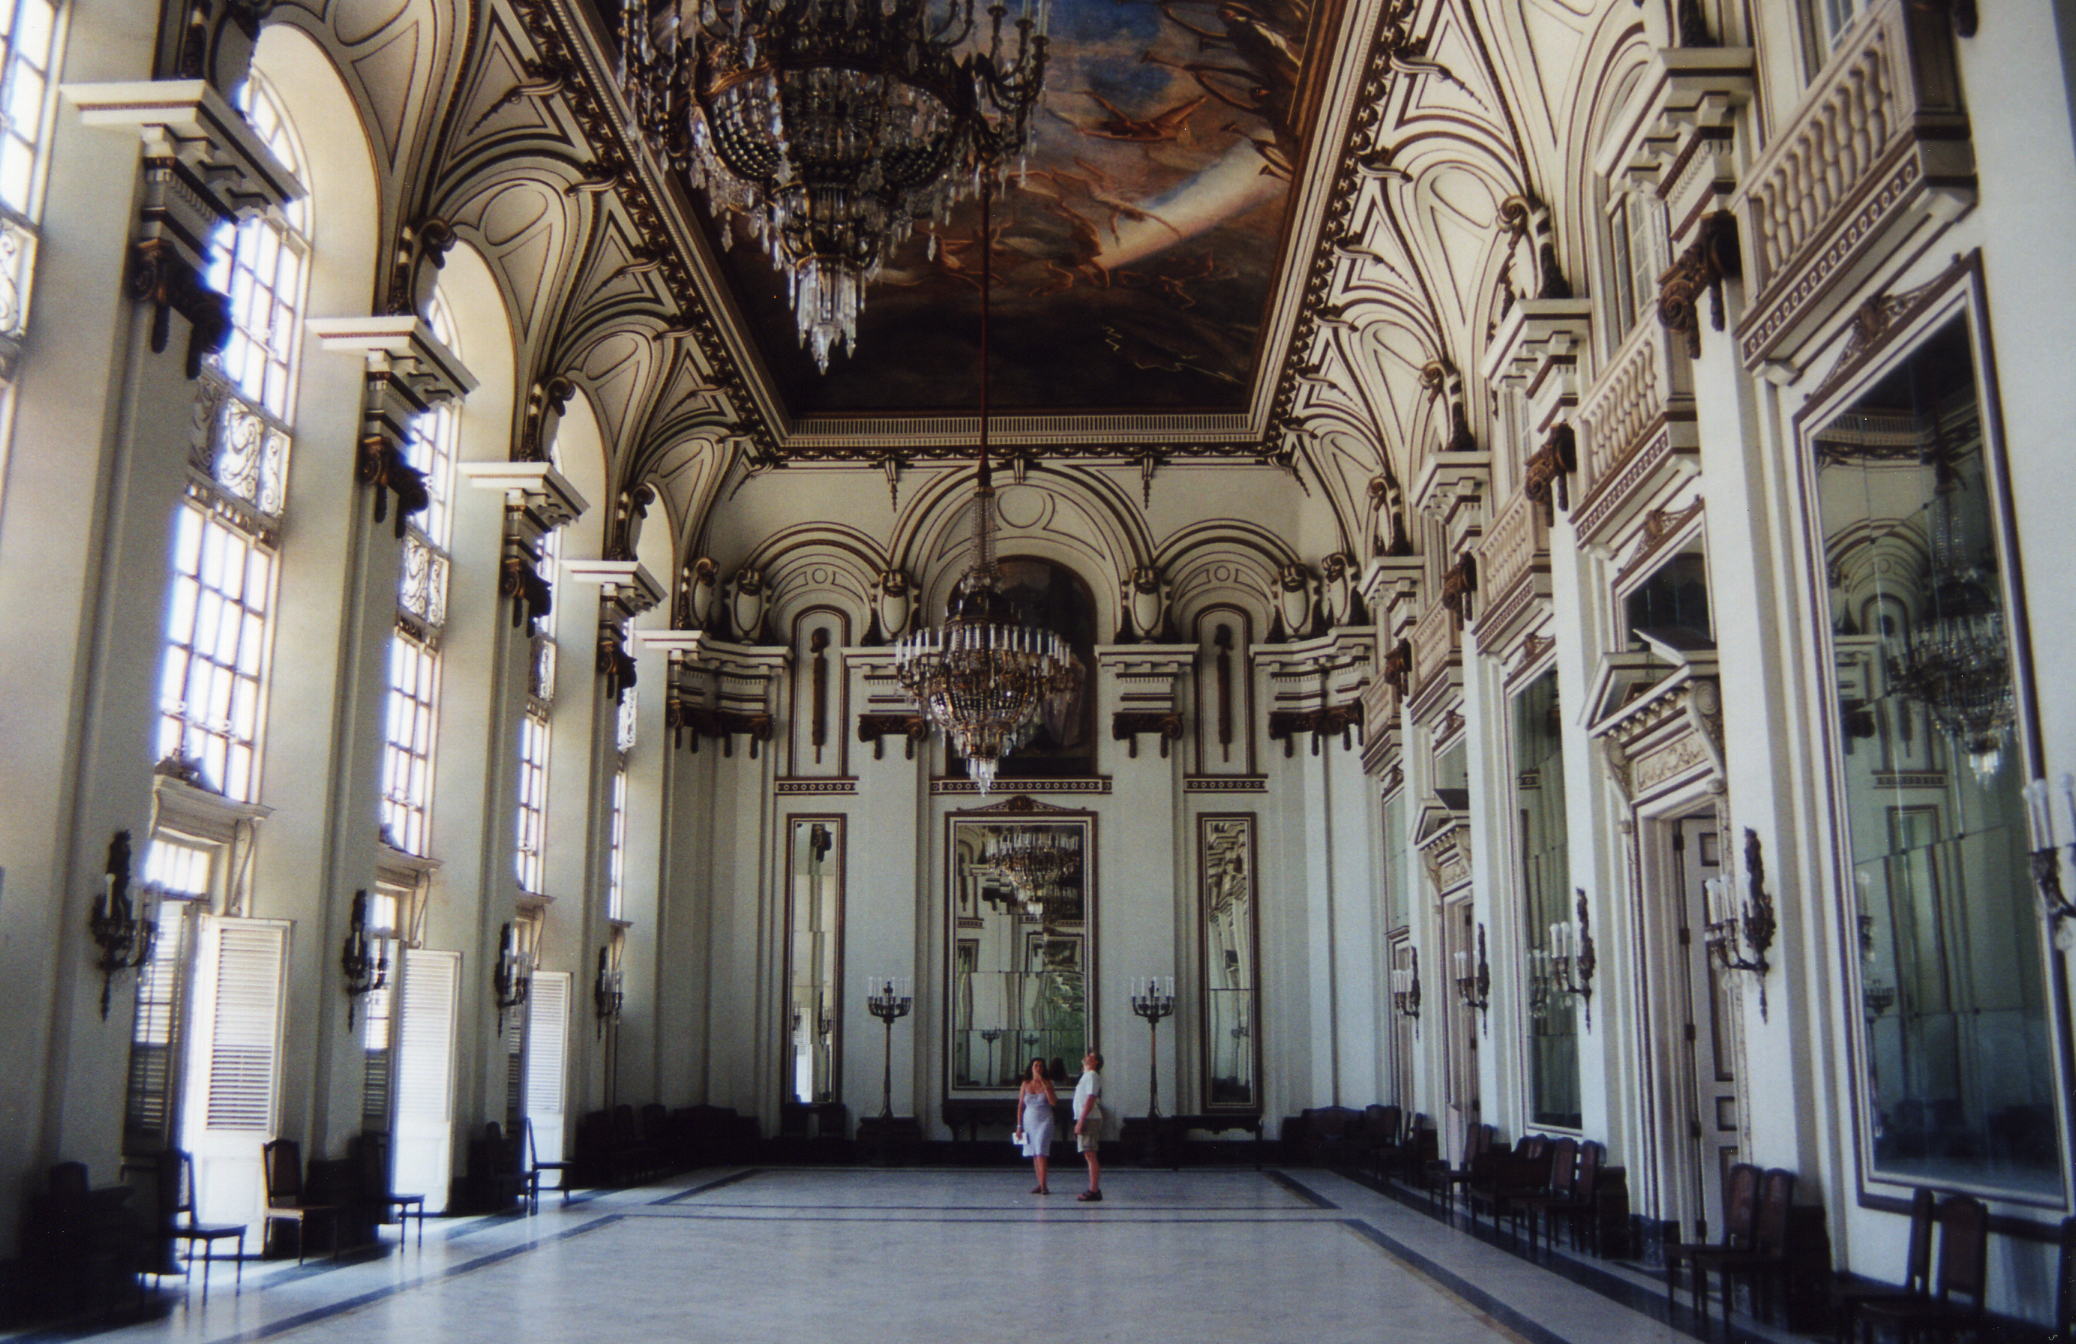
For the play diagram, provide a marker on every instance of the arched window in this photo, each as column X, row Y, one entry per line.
column 414, row 655
column 227, row 527
column 28, row 51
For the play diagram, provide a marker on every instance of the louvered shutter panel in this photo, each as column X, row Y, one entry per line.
column 423, row 1144
column 235, row 1061
column 547, row 1061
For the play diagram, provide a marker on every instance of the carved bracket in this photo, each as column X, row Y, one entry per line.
column 163, row 278
column 519, row 576
column 1707, row 262
column 1459, row 583
column 725, row 724
column 912, row 728
column 1127, row 724
column 1546, row 477
column 1287, row 725
column 382, row 464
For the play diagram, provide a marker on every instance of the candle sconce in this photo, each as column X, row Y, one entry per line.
column 889, row 998
column 1154, row 1002
column 1474, row 983
column 2047, row 855
column 363, row 957
column 1405, row 985
column 608, row 991
column 1740, row 939
column 511, row 979
column 1572, row 959
column 124, row 934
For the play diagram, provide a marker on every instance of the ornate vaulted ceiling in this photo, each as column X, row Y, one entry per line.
column 1304, row 269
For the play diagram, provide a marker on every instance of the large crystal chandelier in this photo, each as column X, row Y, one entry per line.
column 1043, row 867
column 985, row 677
column 833, row 127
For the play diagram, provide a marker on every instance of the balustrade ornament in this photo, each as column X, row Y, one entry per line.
column 1740, row 939
column 832, row 128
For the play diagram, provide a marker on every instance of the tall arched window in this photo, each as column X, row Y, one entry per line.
column 227, row 527
column 414, row 655
column 28, row 53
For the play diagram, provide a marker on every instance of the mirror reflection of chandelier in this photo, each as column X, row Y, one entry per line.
column 832, row 127
column 986, row 676
column 1043, row 867
column 1955, row 660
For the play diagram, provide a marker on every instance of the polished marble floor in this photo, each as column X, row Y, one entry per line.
column 829, row 1254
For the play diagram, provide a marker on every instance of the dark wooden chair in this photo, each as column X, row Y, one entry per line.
column 82, row 1244
column 1571, row 1191
column 1764, row 1263
column 282, row 1162
column 1846, row 1297
column 1954, row 1306
column 564, row 1172
column 497, row 1169
column 1531, row 1207
column 372, row 1149
column 176, row 1175
column 1443, row 1179
column 1740, row 1215
column 1498, row 1181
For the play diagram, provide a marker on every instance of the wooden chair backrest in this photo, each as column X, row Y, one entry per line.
column 1917, row 1260
column 1587, row 1178
column 1564, row 1165
column 1740, row 1204
column 533, row 1152
column 1963, row 1249
column 1777, row 1197
column 282, row 1162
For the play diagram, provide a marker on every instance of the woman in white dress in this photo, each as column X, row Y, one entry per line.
column 1034, row 1117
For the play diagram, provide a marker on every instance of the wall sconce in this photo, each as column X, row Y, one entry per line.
column 608, row 991
column 1474, row 981
column 1739, row 940
column 1571, row 957
column 511, row 980
column 889, row 997
column 1153, row 1003
column 123, row 934
column 1405, row 986
column 364, row 957
column 2047, row 855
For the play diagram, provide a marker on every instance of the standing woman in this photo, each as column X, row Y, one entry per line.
column 1034, row 1114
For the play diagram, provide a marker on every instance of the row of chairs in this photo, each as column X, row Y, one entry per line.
column 1542, row 1186
column 1753, row 1248
column 1923, row 1306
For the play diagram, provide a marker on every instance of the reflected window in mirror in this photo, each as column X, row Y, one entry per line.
column 1232, row 1007
column 814, row 948
column 1546, row 900
column 1019, row 949
column 1955, row 1066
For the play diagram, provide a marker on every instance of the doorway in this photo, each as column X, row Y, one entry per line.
column 1704, row 1121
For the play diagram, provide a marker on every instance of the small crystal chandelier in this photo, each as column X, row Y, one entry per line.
column 833, row 127
column 1043, row 867
column 985, row 678
column 1955, row 659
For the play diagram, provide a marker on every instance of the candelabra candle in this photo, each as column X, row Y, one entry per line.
column 889, row 998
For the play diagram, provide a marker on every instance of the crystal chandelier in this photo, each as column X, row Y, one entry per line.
column 985, row 677
column 1043, row 867
column 1955, row 659
column 833, row 127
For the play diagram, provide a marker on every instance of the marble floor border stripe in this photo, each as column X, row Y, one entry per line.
column 714, row 1184
column 1085, row 1218
column 1454, row 1284
column 1300, row 1189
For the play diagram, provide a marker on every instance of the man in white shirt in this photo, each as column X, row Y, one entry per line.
column 1088, row 1122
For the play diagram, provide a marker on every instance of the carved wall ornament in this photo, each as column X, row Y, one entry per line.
column 163, row 278
column 1712, row 258
column 1388, row 507
column 1660, row 525
column 1145, row 603
column 1398, row 667
column 1546, row 476
column 1459, row 583
column 893, row 603
column 910, row 728
column 1287, row 725
column 1533, row 647
column 699, row 588
column 544, row 400
column 519, row 578
column 624, row 530
column 382, row 465
column 1876, row 321
column 1337, row 589
column 1294, row 599
column 419, row 255
column 1528, row 222
column 746, row 600
column 1127, row 724
column 1445, row 385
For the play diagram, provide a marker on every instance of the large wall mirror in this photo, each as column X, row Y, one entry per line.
column 1546, row 904
column 1955, row 1069
column 1020, row 951
column 814, row 948
column 1232, row 1009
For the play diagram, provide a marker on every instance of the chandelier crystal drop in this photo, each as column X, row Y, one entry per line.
column 986, row 677
column 833, row 127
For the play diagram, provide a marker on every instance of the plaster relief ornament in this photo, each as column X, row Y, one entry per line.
column 893, row 602
column 1388, row 505
column 746, row 604
column 1337, row 590
column 1145, row 602
column 629, row 511
column 702, row 592
column 1294, row 599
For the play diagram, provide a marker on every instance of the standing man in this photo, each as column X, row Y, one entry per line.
column 1088, row 1122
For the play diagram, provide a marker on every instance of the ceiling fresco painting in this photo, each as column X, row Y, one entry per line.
column 1134, row 261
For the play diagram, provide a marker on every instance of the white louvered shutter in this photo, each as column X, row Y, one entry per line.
column 235, row 1063
column 423, row 1143
column 547, row 1062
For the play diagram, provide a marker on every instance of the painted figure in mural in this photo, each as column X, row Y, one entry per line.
column 1035, row 1101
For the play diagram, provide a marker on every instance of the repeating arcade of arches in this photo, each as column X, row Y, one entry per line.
column 488, row 190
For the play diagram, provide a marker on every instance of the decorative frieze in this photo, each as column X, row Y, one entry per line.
column 1658, row 716
column 1878, row 151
